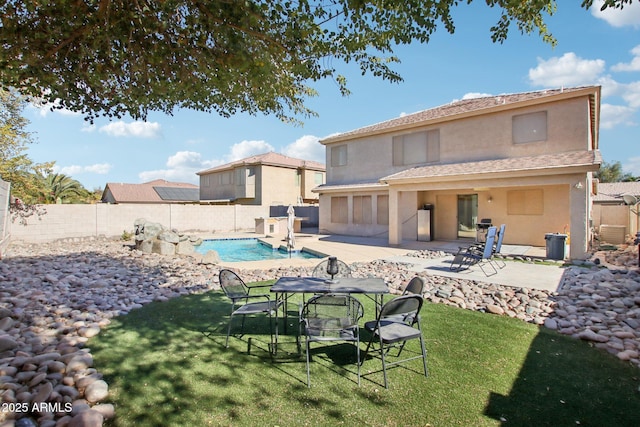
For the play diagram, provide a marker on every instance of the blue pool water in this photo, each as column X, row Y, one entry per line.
column 235, row 250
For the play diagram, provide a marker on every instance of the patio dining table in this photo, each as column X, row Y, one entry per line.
column 372, row 287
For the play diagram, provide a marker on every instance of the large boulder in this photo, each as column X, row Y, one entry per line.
column 152, row 237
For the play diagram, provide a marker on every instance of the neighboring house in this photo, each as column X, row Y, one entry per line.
column 524, row 159
column 613, row 218
column 158, row 191
column 265, row 179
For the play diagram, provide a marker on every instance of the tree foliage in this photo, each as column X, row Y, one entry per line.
column 15, row 166
column 116, row 57
column 612, row 172
column 60, row 188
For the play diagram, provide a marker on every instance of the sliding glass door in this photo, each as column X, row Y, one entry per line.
column 467, row 215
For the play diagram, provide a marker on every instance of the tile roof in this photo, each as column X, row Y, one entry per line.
column 460, row 108
column 270, row 158
column 142, row 193
column 509, row 165
column 613, row 191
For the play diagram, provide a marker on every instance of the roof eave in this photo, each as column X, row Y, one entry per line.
column 521, row 173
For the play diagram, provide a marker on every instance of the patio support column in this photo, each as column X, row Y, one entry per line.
column 395, row 225
column 579, row 192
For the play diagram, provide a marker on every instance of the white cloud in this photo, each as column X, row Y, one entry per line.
column 248, row 148
column 181, row 167
column 473, row 95
column 88, row 128
column 567, row 70
column 98, row 168
column 628, row 16
column 632, row 94
column 135, row 129
column 613, row 115
column 306, row 147
column 632, row 166
column 634, row 65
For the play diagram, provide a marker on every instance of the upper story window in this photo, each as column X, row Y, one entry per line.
column 416, row 148
column 529, row 127
column 339, row 155
column 241, row 176
column 319, row 178
column 226, row 178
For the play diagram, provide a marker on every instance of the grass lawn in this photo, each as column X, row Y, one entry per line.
column 166, row 364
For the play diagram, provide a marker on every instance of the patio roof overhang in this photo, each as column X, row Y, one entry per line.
column 535, row 166
column 341, row 188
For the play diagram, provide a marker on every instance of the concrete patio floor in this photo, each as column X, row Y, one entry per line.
column 365, row 249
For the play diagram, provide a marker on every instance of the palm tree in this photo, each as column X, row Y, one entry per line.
column 57, row 187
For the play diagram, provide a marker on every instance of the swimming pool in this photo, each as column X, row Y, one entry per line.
column 235, row 250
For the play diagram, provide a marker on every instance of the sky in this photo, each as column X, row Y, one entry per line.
column 593, row 48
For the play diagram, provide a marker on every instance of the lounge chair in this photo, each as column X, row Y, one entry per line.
column 477, row 254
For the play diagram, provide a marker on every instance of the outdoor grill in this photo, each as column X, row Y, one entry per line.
column 481, row 229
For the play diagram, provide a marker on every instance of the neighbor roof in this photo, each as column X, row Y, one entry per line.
column 613, row 191
column 270, row 159
column 156, row 191
column 474, row 106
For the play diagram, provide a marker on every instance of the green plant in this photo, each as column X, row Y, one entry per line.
column 166, row 364
column 126, row 235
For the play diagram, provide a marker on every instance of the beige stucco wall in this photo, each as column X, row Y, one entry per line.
column 350, row 228
column 279, row 186
column 476, row 138
column 567, row 206
column 560, row 199
column 79, row 221
column 620, row 214
column 273, row 186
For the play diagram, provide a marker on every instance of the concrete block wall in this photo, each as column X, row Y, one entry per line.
column 85, row 221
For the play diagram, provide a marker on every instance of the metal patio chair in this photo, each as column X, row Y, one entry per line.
column 387, row 332
column 323, row 270
column 331, row 317
column 238, row 292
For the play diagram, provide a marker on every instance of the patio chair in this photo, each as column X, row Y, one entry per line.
column 476, row 254
column 387, row 332
column 498, row 247
column 322, row 270
column 331, row 317
column 415, row 286
column 238, row 292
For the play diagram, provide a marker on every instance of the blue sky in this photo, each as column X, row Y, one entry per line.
column 593, row 48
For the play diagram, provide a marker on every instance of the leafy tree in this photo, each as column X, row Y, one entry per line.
column 15, row 166
column 115, row 57
column 612, row 172
column 59, row 188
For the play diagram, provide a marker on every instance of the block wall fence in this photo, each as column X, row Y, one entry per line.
column 85, row 221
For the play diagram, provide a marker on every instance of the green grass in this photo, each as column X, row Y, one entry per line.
column 166, row 365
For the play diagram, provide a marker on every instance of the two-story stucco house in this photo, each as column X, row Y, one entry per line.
column 265, row 179
column 524, row 159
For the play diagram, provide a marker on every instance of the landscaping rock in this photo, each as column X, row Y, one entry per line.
column 58, row 295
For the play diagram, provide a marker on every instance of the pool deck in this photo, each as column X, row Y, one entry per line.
column 365, row 249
